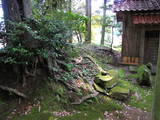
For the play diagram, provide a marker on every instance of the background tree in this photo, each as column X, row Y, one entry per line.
column 103, row 23
column 88, row 23
column 70, row 10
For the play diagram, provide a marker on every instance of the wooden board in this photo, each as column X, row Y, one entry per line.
column 130, row 60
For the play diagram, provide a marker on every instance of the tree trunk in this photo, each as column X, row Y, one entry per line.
column 103, row 23
column 112, row 37
column 88, row 24
column 156, row 104
column 70, row 10
column 70, row 5
column 17, row 11
column 11, row 10
column 27, row 7
column 11, row 13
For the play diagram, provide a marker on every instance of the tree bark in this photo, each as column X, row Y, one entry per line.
column 103, row 23
column 12, row 13
column 16, row 10
column 11, row 10
column 27, row 7
column 88, row 24
column 156, row 104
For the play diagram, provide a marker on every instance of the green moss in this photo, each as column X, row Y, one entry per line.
column 99, row 89
column 107, row 81
column 145, row 101
column 86, row 111
column 146, row 95
column 52, row 99
column 5, row 109
column 104, row 78
column 35, row 116
column 93, row 111
column 120, row 90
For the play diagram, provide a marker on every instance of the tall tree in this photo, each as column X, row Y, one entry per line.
column 70, row 10
column 88, row 23
column 156, row 104
column 103, row 22
column 70, row 5
column 11, row 10
column 27, row 8
column 15, row 11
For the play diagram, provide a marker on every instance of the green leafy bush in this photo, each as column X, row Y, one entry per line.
column 42, row 37
column 143, row 75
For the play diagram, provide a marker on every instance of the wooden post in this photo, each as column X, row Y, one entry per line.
column 156, row 103
column 142, row 43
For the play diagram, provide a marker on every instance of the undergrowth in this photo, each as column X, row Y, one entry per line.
column 141, row 96
column 56, row 99
column 55, row 96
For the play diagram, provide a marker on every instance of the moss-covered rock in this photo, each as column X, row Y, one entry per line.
column 120, row 93
column 144, row 75
column 99, row 89
column 105, row 81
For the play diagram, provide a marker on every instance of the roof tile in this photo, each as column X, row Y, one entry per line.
column 136, row 5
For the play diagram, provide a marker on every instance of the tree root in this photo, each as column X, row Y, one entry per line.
column 16, row 92
column 85, row 98
column 27, row 73
column 35, row 70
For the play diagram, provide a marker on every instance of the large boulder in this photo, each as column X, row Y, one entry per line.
column 108, row 83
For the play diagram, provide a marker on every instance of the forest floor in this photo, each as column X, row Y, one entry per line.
column 54, row 101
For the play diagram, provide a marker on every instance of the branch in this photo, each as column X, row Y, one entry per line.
column 85, row 98
column 13, row 91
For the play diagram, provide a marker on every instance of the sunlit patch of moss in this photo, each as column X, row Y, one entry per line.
column 120, row 90
column 106, row 81
column 104, row 78
column 145, row 94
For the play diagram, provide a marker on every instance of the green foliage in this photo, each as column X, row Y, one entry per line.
column 143, row 75
column 143, row 69
column 43, row 37
column 67, row 76
column 70, row 66
column 75, row 22
column 122, row 74
column 73, row 52
column 48, row 5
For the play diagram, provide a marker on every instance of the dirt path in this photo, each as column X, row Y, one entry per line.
column 129, row 113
